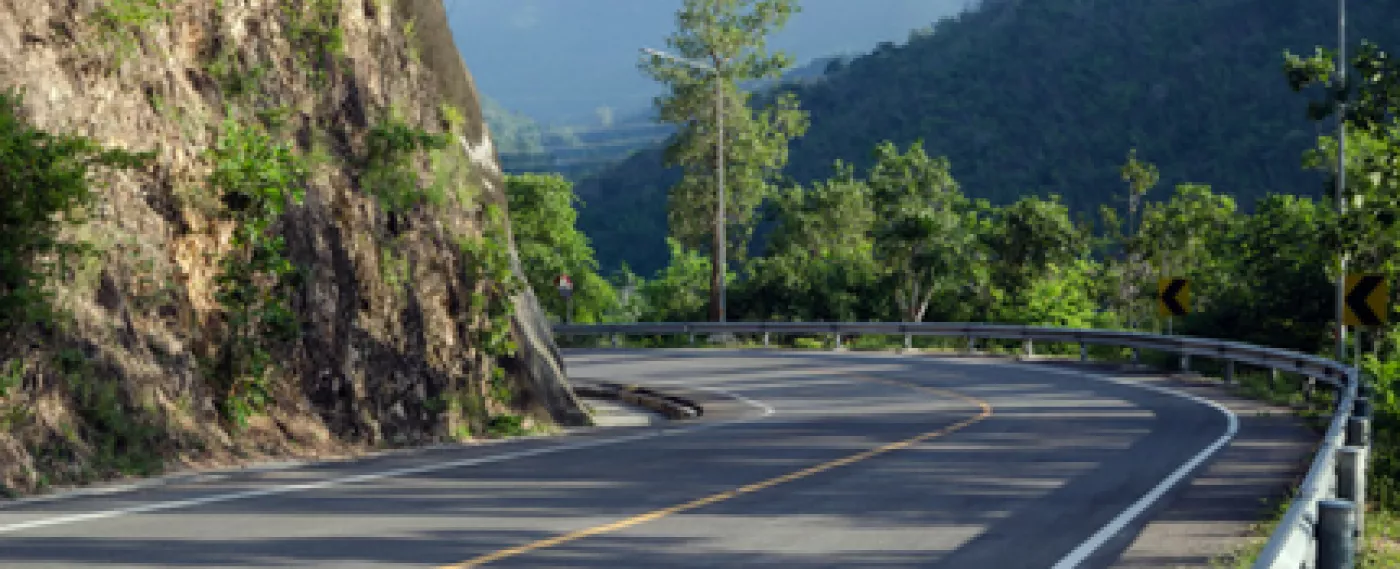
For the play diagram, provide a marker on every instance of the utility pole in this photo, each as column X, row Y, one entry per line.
column 721, row 242
column 721, row 238
column 1341, row 172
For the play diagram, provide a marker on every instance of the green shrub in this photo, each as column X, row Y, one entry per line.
column 506, row 426
column 43, row 186
column 256, row 179
column 123, row 441
column 313, row 27
column 119, row 22
column 388, row 172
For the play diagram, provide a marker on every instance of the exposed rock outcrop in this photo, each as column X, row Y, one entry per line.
column 389, row 310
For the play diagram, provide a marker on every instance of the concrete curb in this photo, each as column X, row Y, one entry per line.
column 673, row 407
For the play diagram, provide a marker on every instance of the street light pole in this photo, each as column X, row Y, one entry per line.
column 1341, row 172
column 721, row 241
column 721, row 236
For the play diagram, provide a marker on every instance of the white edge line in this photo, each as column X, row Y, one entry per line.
column 767, row 410
column 1120, row 522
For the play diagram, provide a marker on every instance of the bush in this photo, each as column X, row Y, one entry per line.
column 43, row 186
column 256, row 179
column 388, row 172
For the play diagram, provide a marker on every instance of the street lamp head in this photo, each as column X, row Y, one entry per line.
column 692, row 63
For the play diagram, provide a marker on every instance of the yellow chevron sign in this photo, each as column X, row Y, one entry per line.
column 1173, row 296
column 1366, row 302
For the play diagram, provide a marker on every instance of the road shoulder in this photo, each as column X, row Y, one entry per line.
column 1218, row 512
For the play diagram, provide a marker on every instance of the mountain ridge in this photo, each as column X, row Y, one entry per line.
column 1022, row 108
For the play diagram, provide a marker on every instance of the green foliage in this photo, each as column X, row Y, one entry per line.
column 924, row 227
column 236, row 79
column 1019, row 107
column 549, row 244
column 388, row 171
column 13, row 411
column 452, row 118
column 314, row 29
column 120, row 21
column 44, row 187
column 509, row 425
column 488, row 265
column 820, row 263
column 1027, row 239
column 123, row 439
column 730, row 37
column 257, row 179
column 681, row 292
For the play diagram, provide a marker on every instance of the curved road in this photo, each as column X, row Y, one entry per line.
column 805, row 460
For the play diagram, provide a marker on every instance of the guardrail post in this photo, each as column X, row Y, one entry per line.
column 1351, row 482
column 1359, row 432
column 971, row 344
column 1336, row 546
column 838, row 341
column 1030, row 348
column 908, row 342
column 1273, row 378
column 1185, row 363
column 1083, row 352
column 1137, row 357
column 1358, row 437
column 1362, row 408
column 1229, row 371
column 614, row 340
column 765, row 339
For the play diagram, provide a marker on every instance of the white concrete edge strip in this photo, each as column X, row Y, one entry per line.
column 1120, row 522
column 767, row 410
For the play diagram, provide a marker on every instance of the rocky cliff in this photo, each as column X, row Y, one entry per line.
column 402, row 322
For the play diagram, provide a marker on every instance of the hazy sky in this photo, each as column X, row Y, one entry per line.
column 559, row 59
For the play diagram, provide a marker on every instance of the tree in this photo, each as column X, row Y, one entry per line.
column 674, row 295
column 543, row 221
column 1369, row 232
column 819, row 263
column 1189, row 235
column 731, row 37
column 1134, row 269
column 1028, row 238
column 1278, row 293
column 923, row 227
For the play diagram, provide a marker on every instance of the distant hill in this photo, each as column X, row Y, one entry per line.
column 558, row 61
column 1047, row 97
column 526, row 145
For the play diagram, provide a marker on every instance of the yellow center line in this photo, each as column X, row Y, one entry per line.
column 986, row 411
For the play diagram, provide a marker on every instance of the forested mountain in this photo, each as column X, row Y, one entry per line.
column 1048, row 97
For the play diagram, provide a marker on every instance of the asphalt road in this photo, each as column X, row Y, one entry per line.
column 827, row 460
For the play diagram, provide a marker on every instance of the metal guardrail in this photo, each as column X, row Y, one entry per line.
column 1319, row 530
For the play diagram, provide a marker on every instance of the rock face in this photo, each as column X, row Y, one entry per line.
column 389, row 308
